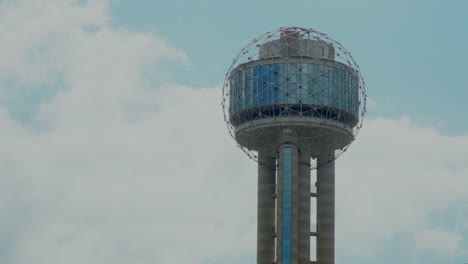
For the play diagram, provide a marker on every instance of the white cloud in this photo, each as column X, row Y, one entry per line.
column 133, row 168
column 441, row 242
column 37, row 35
column 394, row 177
column 125, row 172
column 163, row 190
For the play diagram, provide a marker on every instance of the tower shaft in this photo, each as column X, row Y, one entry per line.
column 304, row 208
column 284, row 211
column 326, row 208
column 283, row 228
column 266, row 210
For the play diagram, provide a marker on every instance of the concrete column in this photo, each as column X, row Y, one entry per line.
column 326, row 208
column 266, row 210
column 304, row 209
column 295, row 203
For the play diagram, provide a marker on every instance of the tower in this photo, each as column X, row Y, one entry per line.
column 294, row 100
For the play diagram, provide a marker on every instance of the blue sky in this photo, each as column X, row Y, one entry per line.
column 412, row 53
column 114, row 149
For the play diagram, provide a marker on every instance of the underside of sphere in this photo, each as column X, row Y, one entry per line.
column 311, row 134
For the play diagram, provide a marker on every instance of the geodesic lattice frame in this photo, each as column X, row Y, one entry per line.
column 327, row 101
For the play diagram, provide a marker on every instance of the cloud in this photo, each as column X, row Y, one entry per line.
column 119, row 164
column 441, row 242
column 394, row 178
column 48, row 51
column 163, row 190
column 38, row 35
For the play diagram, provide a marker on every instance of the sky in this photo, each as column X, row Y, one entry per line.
column 114, row 150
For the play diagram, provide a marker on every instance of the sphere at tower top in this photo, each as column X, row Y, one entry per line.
column 294, row 85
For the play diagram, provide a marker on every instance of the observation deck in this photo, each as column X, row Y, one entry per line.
column 294, row 84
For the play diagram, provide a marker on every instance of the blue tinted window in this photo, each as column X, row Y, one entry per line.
column 294, row 83
column 248, row 86
column 274, row 83
column 287, row 206
column 256, row 85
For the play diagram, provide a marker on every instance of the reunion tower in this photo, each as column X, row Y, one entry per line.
column 294, row 100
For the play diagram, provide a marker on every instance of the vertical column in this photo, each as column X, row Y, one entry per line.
column 266, row 210
column 326, row 208
column 304, row 209
column 288, row 205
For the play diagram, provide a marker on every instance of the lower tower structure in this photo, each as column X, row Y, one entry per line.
column 284, row 208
